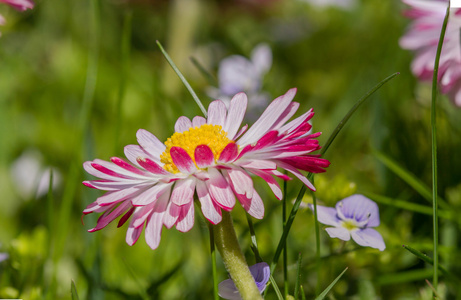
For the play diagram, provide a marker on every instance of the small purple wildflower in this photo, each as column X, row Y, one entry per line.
column 353, row 216
column 261, row 273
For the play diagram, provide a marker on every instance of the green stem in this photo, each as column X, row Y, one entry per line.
column 232, row 256
column 434, row 150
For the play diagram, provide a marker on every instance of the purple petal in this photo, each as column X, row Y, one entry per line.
column 369, row 237
column 339, row 232
column 326, row 215
column 260, row 272
column 360, row 208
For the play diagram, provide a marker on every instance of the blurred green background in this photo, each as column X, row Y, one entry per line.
column 78, row 78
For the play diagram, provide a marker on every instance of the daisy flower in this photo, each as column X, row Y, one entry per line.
column 211, row 158
column 423, row 36
column 353, row 217
column 261, row 273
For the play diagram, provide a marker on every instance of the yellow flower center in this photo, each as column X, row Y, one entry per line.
column 349, row 224
column 211, row 135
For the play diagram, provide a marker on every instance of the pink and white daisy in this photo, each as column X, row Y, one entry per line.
column 211, row 158
column 423, row 36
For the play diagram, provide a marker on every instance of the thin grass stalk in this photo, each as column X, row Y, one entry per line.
column 318, row 261
column 213, row 264
column 298, row 276
column 434, row 149
column 285, row 255
column 183, row 79
column 125, row 62
column 301, row 193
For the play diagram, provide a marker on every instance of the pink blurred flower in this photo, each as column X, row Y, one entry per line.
column 211, row 158
column 423, row 36
column 20, row 5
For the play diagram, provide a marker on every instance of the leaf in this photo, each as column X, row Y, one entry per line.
column 325, row 292
column 73, row 290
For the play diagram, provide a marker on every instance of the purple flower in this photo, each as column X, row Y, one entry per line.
column 353, row 216
column 239, row 74
column 423, row 36
column 261, row 273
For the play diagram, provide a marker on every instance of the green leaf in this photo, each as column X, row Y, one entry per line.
column 325, row 292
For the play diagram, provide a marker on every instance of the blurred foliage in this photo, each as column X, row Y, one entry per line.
column 332, row 55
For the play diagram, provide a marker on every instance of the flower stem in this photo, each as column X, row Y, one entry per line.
column 229, row 248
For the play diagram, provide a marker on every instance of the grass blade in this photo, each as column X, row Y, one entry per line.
column 325, row 292
column 330, row 140
column 298, row 277
column 408, row 177
column 434, row 149
column 73, row 290
column 183, row 79
column 209, row 77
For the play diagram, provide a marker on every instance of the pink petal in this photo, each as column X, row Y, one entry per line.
column 287, row 114
column 132, row 235
column 298, row 174
column 132, row 152
column 236, row 113
column 229, row 153
column 217, row 113
column 151, row 166
column 183, row 192
column 186, row 218
column 125, row 165
column 307, row 163
column 171, row 215
column 141, row 214
column 220, row 190
column 210, row 210
column 241, row 182
column 151, row 194
column 273, row 184
column 257, row 164
column 182, row 124
column 150, row 143
column 125, row 217
column 268, row 118
column 198, row 121
column 109, row 216
column 182, row 160
column 121, row 195
column 154, row 223
column 203, row 156
column 253, row 206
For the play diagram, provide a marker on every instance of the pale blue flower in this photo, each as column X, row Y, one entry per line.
column 353, row 217
column 239, row 74
column 261, row 273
